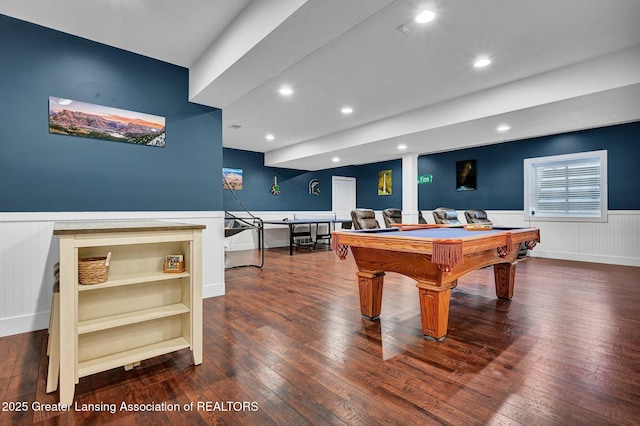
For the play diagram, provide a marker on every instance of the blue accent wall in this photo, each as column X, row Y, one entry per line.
column 294, row 185
column 500, row 174
column 40, row 171
column 367, row 186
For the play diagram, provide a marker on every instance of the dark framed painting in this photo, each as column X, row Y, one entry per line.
column 466, row 175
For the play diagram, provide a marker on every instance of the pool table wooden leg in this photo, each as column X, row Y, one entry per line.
column 434, row 310
column 504, row 274
column 370, row 287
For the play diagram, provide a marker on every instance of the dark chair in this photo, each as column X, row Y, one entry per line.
column 421, row 219
column 480, row 216
column 476, row 216
column 446, row 215
column 391, row 216
column 364, row 219
column 346, row 225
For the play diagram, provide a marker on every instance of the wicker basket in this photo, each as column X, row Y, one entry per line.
column 94, row 270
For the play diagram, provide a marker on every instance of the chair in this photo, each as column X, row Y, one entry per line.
column 346, row 225
column 232, row 227
column 421, row 219
column 480, row 216
column 364, row 219
column 391, row 216
column 476, row 216
column 446, row 215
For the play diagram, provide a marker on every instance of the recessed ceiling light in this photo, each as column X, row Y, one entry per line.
column 269, row 137
column 402, row 146
column 481, row 62
column 285, row 91
column 503, row 128
column 425, row 16
column 346, row 110
column 335, row 159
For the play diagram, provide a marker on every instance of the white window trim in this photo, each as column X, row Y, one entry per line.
column 529, row 212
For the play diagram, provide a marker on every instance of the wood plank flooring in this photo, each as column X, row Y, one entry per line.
column 287, row 346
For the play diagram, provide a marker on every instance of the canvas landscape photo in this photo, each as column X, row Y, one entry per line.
column 74, row 118
column 231, row 178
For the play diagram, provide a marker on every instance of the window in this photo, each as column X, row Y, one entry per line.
column 570, row 187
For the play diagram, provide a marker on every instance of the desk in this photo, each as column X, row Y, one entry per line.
column 435, row 258
column 140, row 312
column 293, row 234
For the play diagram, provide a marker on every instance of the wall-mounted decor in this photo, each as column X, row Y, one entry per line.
column 314, row 187
column 384, row 182
column 425, row 179
column 466, row 175
column 275, row 188
column 231, row 179
column 74, row 118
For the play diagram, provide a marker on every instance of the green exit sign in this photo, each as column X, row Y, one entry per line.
column 425, row 179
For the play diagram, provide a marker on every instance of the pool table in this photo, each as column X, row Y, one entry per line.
column 435, row 257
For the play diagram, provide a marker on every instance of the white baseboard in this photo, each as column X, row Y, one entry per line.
column 24, row 324
column 213, row 290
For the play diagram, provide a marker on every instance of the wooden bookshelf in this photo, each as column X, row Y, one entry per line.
column 140, row 311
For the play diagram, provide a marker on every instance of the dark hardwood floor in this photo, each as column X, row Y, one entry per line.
column 287, row 345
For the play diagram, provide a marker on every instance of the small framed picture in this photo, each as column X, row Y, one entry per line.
column 466, row 175
column 174, row 263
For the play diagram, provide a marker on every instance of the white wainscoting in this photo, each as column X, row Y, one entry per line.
column 28, row 251
column 274, row 235
column 614, row 242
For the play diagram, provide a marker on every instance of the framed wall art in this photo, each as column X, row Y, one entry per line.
column 466, row 175
column 231, row 179
column 385, row 183
column 74, row 118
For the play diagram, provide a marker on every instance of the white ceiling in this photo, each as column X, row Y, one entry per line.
column 557, row 66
